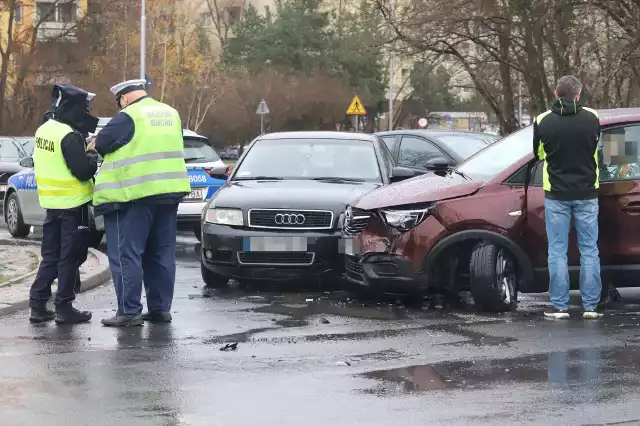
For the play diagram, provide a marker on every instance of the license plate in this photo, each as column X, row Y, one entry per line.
column 196, row 194
column 275, row 244
column 349, row 247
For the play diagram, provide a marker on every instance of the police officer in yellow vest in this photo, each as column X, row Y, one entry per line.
column 64, row 173
column 141, row 181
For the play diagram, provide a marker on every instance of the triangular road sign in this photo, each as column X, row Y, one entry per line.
column 356, row 107
column 262, row 108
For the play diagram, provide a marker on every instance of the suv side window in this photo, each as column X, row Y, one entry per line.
column 415, row 152
column 387, row 157
column 518, row 178
column 619, row 153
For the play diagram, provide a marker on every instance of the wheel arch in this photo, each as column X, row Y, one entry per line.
column 469, row 236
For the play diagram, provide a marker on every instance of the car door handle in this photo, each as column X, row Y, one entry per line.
column 631, row 206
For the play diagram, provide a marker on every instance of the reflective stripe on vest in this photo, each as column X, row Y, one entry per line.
column 57, row 187
column 152, row 163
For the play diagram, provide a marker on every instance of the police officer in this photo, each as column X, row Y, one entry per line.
column 138, row 189
column 64, row 173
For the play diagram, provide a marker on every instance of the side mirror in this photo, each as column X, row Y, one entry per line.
column 221, row 173
column 437, row 163
column 26, row 162
column 401, row 173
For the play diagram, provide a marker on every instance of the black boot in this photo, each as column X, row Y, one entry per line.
column 123, row 321
column 41, row 314
column 71, row 315
column 157, row 316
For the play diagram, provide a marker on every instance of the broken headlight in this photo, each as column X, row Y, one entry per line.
column 404, row 219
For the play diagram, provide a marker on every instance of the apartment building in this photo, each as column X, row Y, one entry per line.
column 52, row 20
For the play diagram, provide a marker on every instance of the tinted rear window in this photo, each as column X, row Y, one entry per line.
column 198, row 151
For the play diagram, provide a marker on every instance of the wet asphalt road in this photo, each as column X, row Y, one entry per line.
column 331, row 361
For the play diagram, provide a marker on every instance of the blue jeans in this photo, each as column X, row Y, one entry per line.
column 558, row 221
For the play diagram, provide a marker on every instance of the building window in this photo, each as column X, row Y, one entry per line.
column 56, row 12
column 267, row 10
column 17, row 13
column 67, row 12
column 206, row 20
column 46, row 12
column 405, row 72
column 231, row 16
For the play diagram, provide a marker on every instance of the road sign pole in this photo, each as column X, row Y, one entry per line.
column 143, row 39
column 262, row 124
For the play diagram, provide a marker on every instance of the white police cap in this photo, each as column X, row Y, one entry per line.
column 127, row 84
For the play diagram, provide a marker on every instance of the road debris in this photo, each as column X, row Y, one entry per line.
column 230, row 347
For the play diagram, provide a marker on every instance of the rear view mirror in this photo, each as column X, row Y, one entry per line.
column 26, row 162
column 400, row 173
column 437, row 163
column 221, row 172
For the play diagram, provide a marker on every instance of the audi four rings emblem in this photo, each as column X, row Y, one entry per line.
column 289, row 219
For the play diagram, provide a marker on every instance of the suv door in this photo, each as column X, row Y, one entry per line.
column 620, row 204
column 415, row 152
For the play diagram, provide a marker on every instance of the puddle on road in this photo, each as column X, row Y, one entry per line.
column 599, row 372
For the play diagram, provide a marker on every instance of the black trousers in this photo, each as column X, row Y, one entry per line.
column 64, row 248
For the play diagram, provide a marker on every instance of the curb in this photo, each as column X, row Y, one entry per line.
column 101, row 276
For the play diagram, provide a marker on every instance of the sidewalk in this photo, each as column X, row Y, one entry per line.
column 19, row 261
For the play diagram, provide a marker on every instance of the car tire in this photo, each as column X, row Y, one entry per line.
column 211, row 279
column 197, row 231
column 493, row 279
column 13, row 218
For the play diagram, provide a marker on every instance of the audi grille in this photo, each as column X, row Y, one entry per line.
column 290, row 219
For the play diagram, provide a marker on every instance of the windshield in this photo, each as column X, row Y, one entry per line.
column 8, row 150
column 464, row 146
column 198, row 151
column 310, row 159
column 499, row 156
column 27, row 145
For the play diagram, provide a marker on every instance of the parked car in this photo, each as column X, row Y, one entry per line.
column 280, row 213
column 22, row 207
column 427, row 150
column 480, row 228
column 12, row 150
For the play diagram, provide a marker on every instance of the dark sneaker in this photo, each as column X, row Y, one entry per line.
column 123, row 321
column 556, row 313
column 157, row 316
column 72, row 315
column 39, row 315
column 592, row 314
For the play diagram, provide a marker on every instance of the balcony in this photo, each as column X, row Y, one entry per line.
column 57, row 31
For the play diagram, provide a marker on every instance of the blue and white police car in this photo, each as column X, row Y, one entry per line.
column 22, row 208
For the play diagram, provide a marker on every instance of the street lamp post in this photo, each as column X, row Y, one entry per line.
column 393, row 17
column 143, row 39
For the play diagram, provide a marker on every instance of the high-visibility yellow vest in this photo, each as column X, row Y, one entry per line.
column 151, row 164
column 57, row 187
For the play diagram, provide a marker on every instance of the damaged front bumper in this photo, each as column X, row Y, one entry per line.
column 377, row 268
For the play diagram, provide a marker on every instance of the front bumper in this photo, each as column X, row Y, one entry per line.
column 227, row 251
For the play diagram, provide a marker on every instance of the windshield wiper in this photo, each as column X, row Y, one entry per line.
column 337, row 179
column 259, row 178
column 195, row 159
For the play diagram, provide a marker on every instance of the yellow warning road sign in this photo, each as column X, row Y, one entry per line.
column 356, row 107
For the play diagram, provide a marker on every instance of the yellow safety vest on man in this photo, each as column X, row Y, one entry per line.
column 57, row 187
column 152, row 163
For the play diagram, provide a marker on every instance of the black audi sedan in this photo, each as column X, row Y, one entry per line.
column 279, row 215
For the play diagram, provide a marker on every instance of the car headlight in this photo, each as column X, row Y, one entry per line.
column 404, row 219
column 230, row 217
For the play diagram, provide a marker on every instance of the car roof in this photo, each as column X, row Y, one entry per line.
column 435, row 133
column 618, row 115
column 318, row 135
column 102, row 121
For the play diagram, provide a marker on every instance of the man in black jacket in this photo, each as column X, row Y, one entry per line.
column 64, row 171
column 566, row 138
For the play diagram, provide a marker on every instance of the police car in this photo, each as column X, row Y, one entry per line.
column 22, row 208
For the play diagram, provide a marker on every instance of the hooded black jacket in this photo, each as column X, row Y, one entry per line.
column 566, row 138
column 72, row 111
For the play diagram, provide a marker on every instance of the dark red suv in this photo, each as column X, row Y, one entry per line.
column 480, row 228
